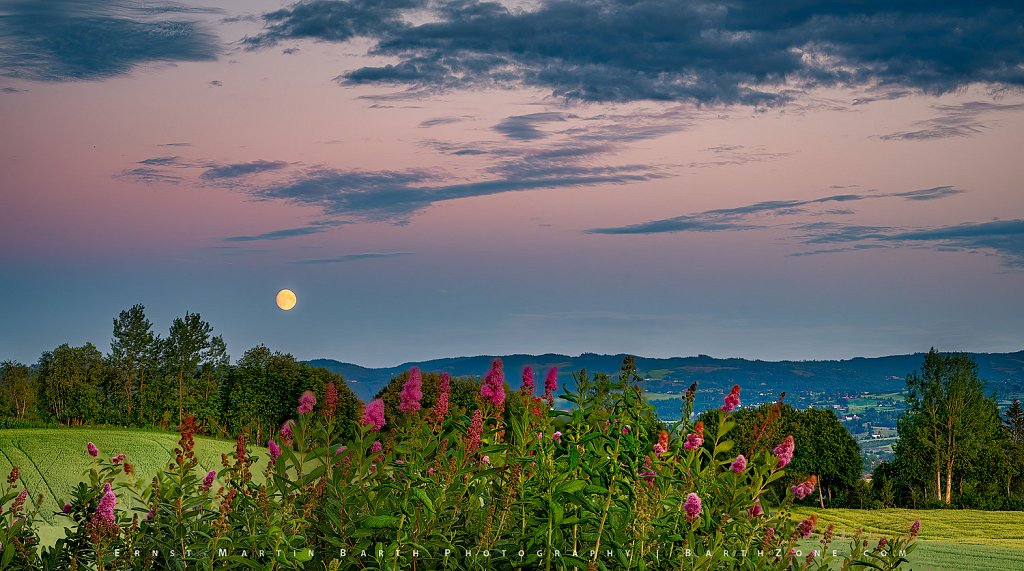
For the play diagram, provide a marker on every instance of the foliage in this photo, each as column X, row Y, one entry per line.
column 517, row 485
column 951, row 450
column 828, row 452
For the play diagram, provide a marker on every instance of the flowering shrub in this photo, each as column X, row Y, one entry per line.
column 516, row 484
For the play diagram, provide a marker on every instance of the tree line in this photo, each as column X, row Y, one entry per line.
column 147, row 380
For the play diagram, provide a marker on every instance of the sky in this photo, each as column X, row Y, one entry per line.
column 433, row 178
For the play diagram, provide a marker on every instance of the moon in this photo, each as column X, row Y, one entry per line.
column 286, row 299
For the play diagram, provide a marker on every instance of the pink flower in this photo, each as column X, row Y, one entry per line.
column 117, row 459
column 803, row 489
column 739, row 464
column 551, row 384
column 658, row 449
column 625, row 429
column 306, row 402
column 286, row 431
column 412, row 392
column 208, row 480
column 275, row 450
column 784, row 451
column 486, row 459
column 66, row 508
column 493, row 389
column 528, row 385
column 882, row 543
column 647, row 473
column 19, row 501
column 430, row 470
column 330, row 398
column 557, row 436
column 692, row 506
column 341, row 449
column 441, row 405
column 915, row 528
column 93, row 451
column 732, row 400
column 476, row 428
column 373, row 415
column 150, row 514
column 756, row 510
column 376, row 447
column 105, row 510
column 805, row 527
column 695, row 439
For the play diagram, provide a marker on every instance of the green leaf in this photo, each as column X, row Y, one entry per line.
column 380, row 521
column 422, row 496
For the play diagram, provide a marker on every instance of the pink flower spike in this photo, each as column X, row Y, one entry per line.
column 376, row 447
column 732, row 400
column 275, row 450
column 373, row 415
column 915, row 528
column 756, row 510
column 116, row 460
column 486, row 459
column 692, row 506
column 739, row 464
column 441, row 404
column 287, row 433
column 528, row 383
column 412, row 392
column 208, row 480
column 306, row 402
column 551, row 384
column 557, row 436
column 105, row 509
column 92, row 450
column 493, row 388
column 784, row 451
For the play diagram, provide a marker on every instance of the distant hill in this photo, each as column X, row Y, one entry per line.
column 1003, row 371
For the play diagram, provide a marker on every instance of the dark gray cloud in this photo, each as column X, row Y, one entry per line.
column 734, row 51
column 331, row 20
column 68, row 40
column 396, row 195
column 175, row 145
column 963, row 120
column 12, row 90
column 525, row 127
column 236, row 170
column 352, row 258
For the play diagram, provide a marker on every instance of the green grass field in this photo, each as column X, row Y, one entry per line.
column 53, row 461
column 949, row 540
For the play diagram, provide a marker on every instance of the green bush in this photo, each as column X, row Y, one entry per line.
column 517, row 485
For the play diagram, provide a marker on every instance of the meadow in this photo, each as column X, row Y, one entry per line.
column 949, row 540
column 52, row 461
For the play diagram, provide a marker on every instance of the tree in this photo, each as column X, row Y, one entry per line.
column 133, row 355
column 184, row 350
column 1014, row 423
column 15, row 388
column 947, row 416
column 69, row 387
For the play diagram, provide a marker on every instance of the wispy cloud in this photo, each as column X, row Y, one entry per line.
column 963, row 120
column 1003, row 238
column 351, row 258
column 236, row 170
column 279, row 234
column 67, row 40
column 751, row 216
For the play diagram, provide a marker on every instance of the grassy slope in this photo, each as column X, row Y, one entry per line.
column 950, row 539
column 53, row 461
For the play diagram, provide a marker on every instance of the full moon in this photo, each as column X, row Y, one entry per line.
column 286, row 299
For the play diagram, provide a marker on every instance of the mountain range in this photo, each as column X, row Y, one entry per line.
column 1004, row 372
